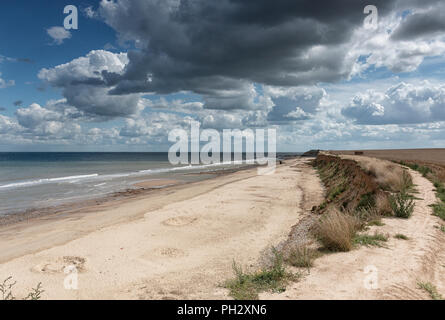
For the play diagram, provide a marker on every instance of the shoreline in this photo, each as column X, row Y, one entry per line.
column 72, row 220
column 141, row 189
column 179, row 242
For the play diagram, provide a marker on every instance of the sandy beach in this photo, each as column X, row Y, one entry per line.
column 176, row 243
column 180, row 242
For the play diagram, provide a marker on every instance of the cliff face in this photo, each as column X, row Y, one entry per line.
column 348, row 186
column 311, row 153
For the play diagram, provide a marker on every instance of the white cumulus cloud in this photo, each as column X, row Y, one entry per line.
column 58, row 34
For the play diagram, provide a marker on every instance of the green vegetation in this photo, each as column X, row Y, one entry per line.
column 376, row 222
column 406, row 184
column 374, row 240
column 246, row 286
column 401, row 236
column 302, row 257
column 336, row 191
column 438, row 208
column 402, row 204
column 440, row 190
column 6, row 290
column 431, row 289
column 366, row 201
column 424, row 170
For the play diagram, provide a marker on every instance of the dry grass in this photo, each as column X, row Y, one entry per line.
column 388, row 175
column 302, row 257
column 336, row 230
column 367, row 214
column 383, row 206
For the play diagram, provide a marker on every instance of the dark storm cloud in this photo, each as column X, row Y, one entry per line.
column 222, row 49
column 420, row 24
column 208, row 46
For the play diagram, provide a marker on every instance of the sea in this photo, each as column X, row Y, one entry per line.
column 32, row 180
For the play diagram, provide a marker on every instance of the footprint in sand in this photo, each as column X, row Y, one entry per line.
column 170, row 252
column 58, row 265
column 179, row 221
column 165, row 252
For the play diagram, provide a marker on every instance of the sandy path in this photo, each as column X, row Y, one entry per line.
column 183, row 249
column 397, row 268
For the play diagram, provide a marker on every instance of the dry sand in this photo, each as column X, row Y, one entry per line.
column 177, row 243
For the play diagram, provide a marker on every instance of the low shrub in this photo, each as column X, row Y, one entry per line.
column 402, row 204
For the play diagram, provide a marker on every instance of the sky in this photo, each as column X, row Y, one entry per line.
column 325, row 75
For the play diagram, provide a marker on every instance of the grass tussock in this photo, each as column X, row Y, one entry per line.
column 246, row 286
column 336, row 230
column 374, row 240
column 368, row 215
column 383, row 205
column 402, row 204
column 401, row 236
column 431, row 289
column 302, row 257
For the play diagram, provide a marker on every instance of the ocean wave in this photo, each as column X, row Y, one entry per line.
column 47, row 180
column 107, row 177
